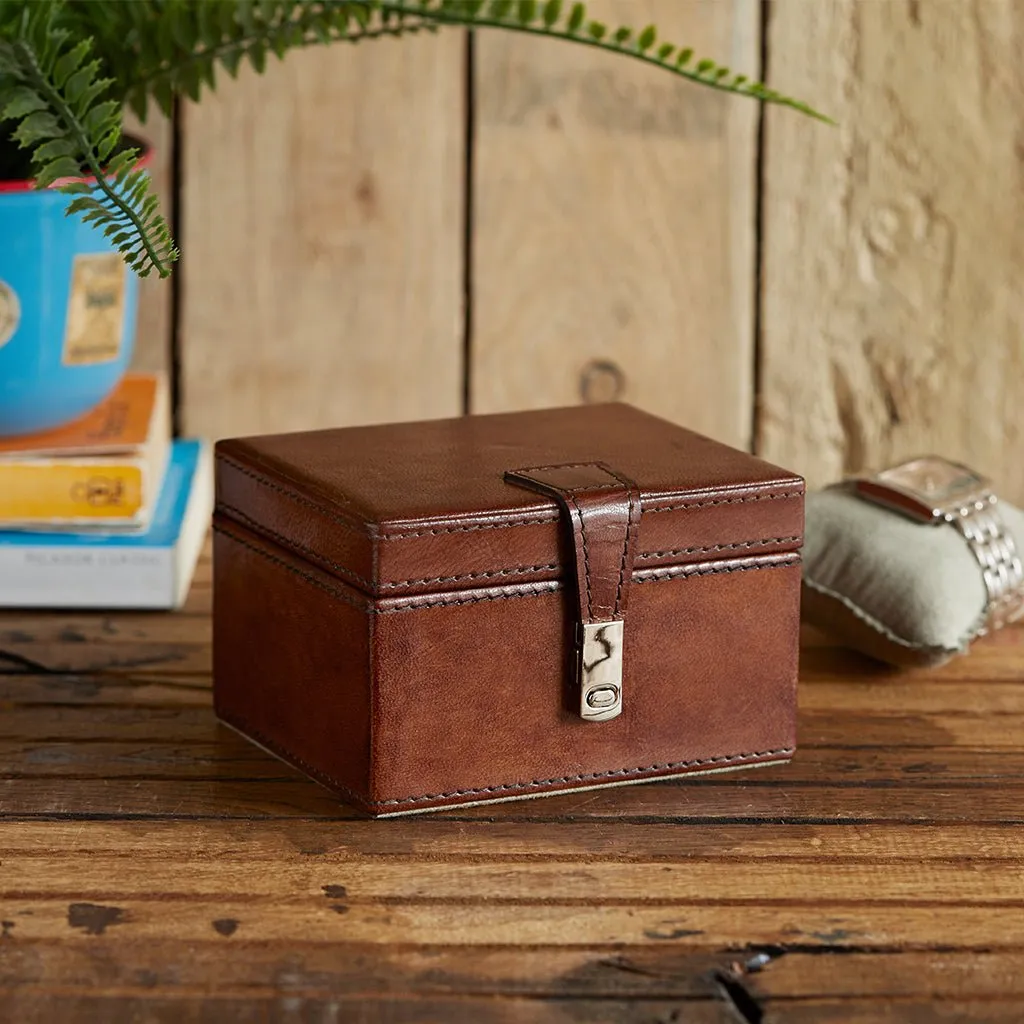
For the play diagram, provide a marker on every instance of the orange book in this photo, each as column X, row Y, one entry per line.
column 104, row 469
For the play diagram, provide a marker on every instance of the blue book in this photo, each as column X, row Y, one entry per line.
column 150, row 569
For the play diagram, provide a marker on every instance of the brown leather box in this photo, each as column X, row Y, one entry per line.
column 499, row 607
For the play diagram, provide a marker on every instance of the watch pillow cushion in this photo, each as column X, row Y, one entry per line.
column 905, row 592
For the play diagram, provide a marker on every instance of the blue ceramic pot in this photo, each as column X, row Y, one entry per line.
column 67, row 312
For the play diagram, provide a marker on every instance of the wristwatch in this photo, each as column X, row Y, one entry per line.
column 934, row 490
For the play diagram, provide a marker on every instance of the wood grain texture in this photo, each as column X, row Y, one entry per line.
column 322, row 241
column 153, row 338
column 894, row 244
column 513, row 841
column 905, row 1011
column 216, row 758
column 613, row 223
column 242, row 1010
column 480, row 922
column 691, row 883
column 156, row 866
column 276, row 797
column 159, row 1009
column 664, row 971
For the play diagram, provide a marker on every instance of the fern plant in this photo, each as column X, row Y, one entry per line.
column 68, row 67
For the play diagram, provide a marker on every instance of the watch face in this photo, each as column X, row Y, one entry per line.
column 934, row 479
column 927, row 488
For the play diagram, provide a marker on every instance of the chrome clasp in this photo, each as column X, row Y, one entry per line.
column 600, row 670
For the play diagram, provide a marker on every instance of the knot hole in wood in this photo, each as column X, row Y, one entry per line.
column 601, row 380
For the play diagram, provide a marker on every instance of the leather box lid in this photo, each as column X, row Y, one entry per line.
column 418, row 507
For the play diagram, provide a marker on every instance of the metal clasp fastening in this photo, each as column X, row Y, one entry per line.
column 602, row 511
column 600, row 670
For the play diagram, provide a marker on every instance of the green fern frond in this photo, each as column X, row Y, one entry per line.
column 577, row 26
column 208, row 33
column 67, row 67
column 226, row 33
column 57, row 98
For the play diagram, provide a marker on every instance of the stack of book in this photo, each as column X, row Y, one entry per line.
column 107, row 512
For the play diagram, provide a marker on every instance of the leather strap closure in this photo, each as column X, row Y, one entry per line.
column 602, row 508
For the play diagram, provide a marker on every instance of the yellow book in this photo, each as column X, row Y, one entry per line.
column 102, row 470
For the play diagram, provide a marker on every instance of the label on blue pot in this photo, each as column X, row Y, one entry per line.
column 95, row 325
column 10, row 312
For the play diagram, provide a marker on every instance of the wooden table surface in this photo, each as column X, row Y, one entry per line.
column 154, row 866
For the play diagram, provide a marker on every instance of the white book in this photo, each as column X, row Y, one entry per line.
column 151, row 569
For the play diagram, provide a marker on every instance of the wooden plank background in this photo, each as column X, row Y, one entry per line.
column 613, row 216
column 893, row 318
column 413, row 229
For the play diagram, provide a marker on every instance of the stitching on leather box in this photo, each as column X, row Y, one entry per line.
column 720, row 547
column 364, row 529
column 349, row 524
column 625, row 548
column 339, row 594
column 547, row 588
column 288, row 542
column 728, row 501
column 657, row 576
column 469, row 529
column 586, row 556
column 544, row 588
column 684, row 572
column 562, row 465
column 589, row 776
column 516, row 571
column 576, row 465
column 356, row 798
column 345, row 571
